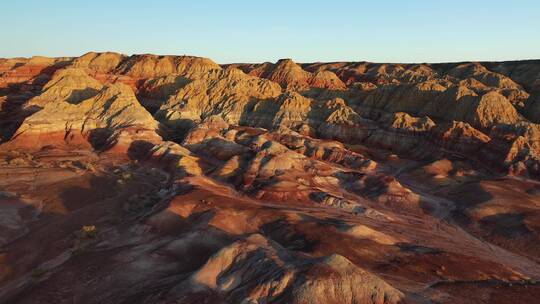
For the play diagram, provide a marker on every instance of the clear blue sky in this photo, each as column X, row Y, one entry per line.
column 256, row 31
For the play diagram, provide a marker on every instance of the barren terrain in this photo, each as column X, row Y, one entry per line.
column 173, row 179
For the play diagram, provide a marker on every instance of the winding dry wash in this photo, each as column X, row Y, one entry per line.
column 173, row 179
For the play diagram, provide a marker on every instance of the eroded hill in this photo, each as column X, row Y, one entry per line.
column 173, row 179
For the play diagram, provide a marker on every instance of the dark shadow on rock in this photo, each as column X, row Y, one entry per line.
column 285, row 234
column 259, row 113
column 50, row 233
column 509, row 225
column 100, row 187
column 188, row 252
column 466, row 197
column 101, row 139
column 177, row 129
column 140, row 149
column 77, row 96
column 534, row 191
column 329, row 221
column 153, row 99
column 417, row 249
column 322, row 93
column 366, row 186
column 12, row 114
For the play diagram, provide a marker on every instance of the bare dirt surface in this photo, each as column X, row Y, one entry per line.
column 171, row 179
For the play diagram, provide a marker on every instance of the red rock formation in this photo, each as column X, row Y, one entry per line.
column 171, row 179
column 291, row 76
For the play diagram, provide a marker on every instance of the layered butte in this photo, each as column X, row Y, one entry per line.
column 173, row 179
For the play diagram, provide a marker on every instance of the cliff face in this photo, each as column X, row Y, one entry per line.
column 163, row 179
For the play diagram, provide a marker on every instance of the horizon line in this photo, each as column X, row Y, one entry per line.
column 284, row 58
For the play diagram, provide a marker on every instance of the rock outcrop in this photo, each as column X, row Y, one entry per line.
column 251, row 265
column 113, row 117
column 172, row 179
column 150, row 66
column 67, row 85
column 99, row 63
column 291, row 76
column 229, row 93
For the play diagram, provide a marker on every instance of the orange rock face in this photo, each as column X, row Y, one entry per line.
column 172, row 179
